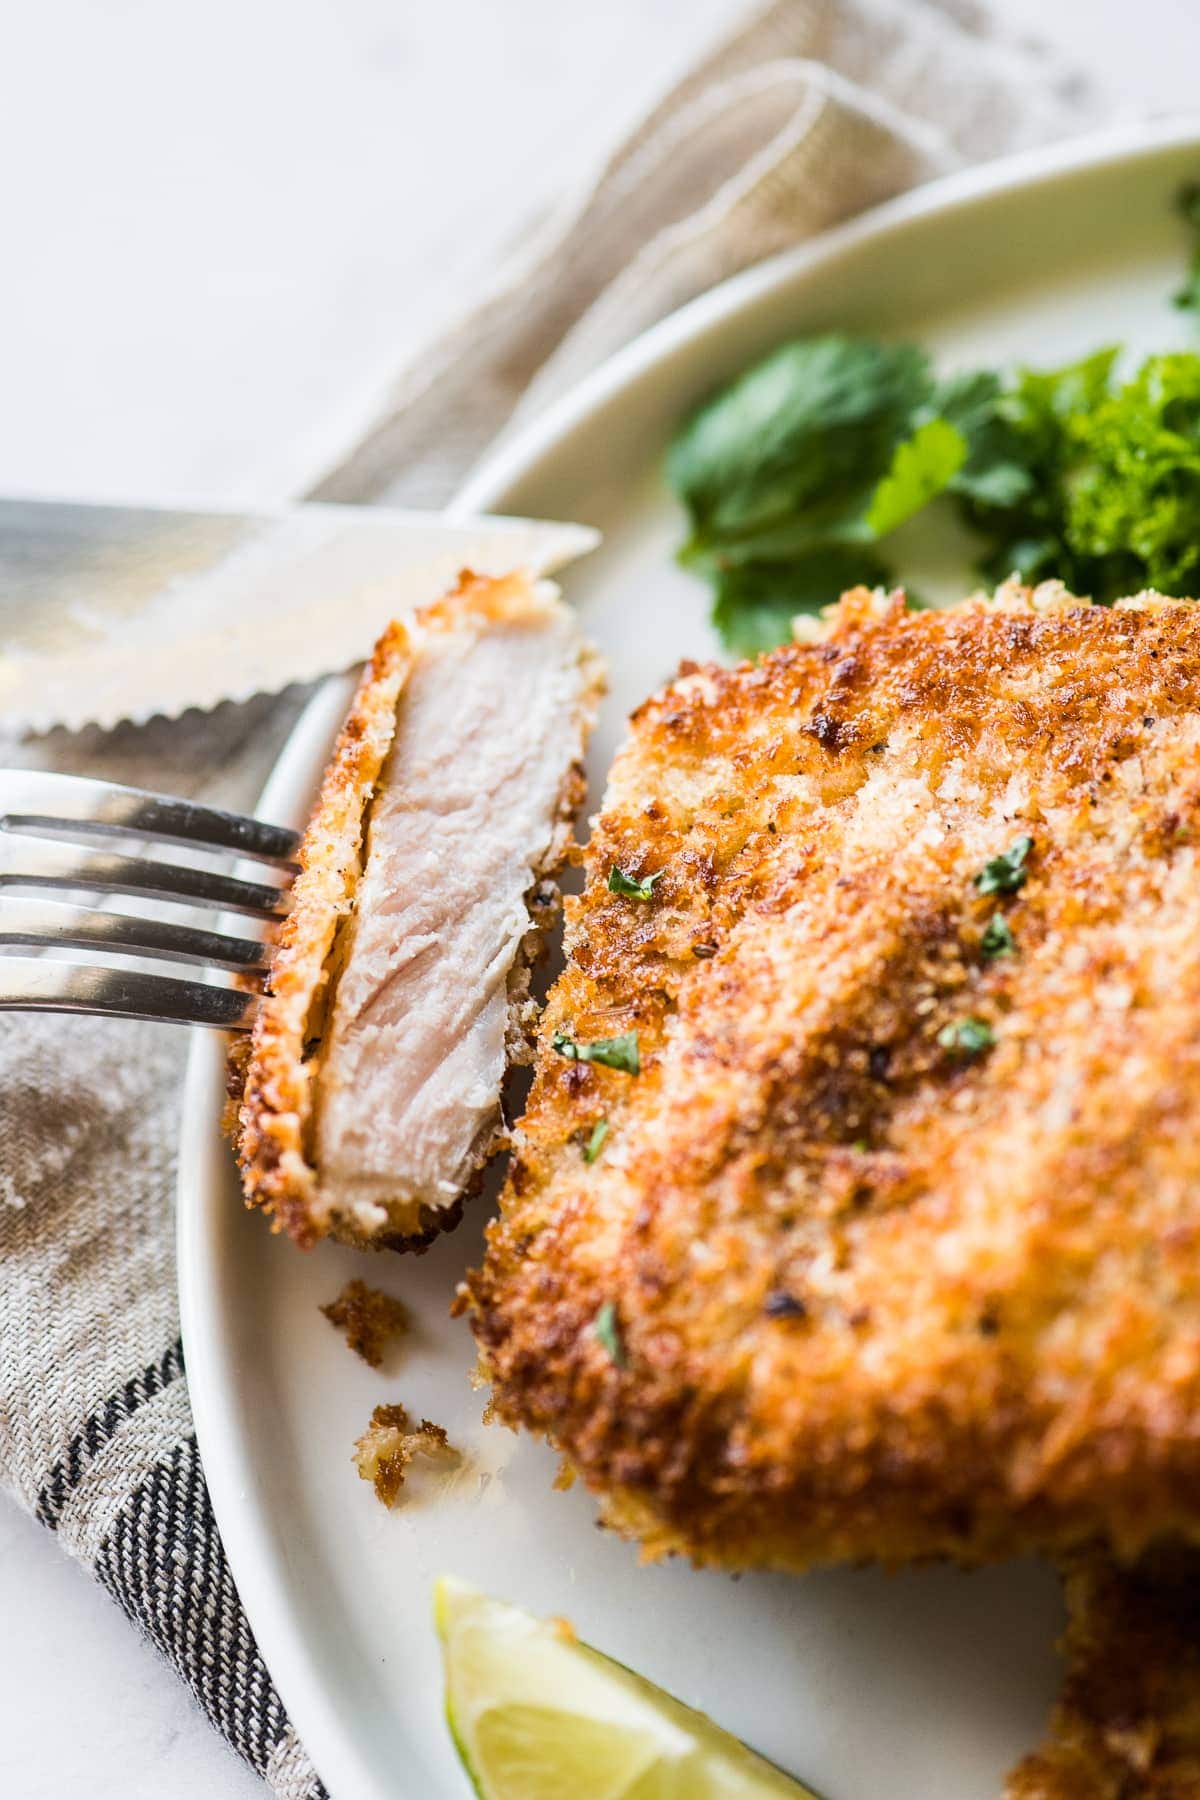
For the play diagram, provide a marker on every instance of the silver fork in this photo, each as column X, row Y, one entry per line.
column 54, row 860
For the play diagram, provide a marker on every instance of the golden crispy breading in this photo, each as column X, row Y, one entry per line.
column 898, row 1226
column 368, row 1318
column 1127, row 1726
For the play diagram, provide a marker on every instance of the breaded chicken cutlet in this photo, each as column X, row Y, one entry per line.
column 1127, row 1726
column 369, row 1093
column 878, row 1237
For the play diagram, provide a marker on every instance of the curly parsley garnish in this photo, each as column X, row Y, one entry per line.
column 607, row 1328
column 621, row 883
column 615, row 1053
column 967, row 1037
column 997, row 939
column 1005, row 873
column 595, row 1143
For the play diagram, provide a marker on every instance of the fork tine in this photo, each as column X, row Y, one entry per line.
column 33, row 862
column 53, row 924
column 36, row 984
column 67, row 805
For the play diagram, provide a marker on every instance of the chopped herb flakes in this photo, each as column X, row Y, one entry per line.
column 595, row 1143
column 615, row 1053
column 1005, row 873
column 997, row 939
column 621, row 883
column 967, row 1037
column 607, row 1328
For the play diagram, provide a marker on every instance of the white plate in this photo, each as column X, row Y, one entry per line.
column 920, row 1686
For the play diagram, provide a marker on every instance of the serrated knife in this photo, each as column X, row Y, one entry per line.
column 111, row 613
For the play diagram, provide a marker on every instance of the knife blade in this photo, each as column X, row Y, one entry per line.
column 110, row 613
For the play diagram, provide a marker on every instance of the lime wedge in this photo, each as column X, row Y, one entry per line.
column 536, row 1715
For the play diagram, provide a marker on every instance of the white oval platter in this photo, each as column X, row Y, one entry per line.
column 924, row 1685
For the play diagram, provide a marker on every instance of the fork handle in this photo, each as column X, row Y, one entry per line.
column 34, row 984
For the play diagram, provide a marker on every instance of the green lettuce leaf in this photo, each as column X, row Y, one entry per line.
column 995, row 472
column 921, row 468
column 755, row 603
column 806, row 433
column 1025, row 529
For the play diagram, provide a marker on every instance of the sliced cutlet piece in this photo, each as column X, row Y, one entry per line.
column 892, row 1247
column 398, row 994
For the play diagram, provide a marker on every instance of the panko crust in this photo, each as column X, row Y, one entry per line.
column 1127, row 1725
column 878, row 1297
column 274, row 1075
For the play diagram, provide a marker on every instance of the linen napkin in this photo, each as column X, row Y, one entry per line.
column 807, row 112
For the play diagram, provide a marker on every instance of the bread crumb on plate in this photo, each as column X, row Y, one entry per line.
column 368, row 1318
column 389, row 1444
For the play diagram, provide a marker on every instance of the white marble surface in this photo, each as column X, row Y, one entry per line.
column 223, row 222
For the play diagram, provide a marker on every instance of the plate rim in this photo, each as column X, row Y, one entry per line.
column 247, row 1541
column 1128, row 142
